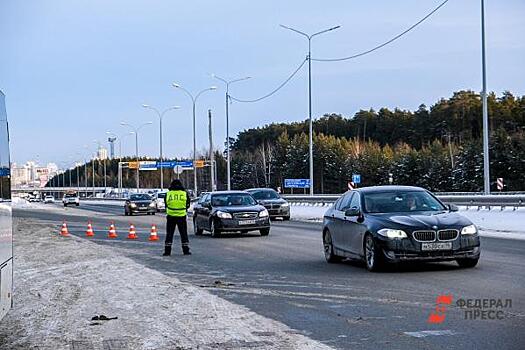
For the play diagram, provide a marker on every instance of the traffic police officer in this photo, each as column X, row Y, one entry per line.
column 177, row 203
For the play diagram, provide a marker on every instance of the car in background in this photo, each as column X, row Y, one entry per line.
column 71, row 198
column 140, row 203
column 230, row 211
column 388, row 224
column 277, row 206
column 33, row 199
column 159, row 197
column 49, row 199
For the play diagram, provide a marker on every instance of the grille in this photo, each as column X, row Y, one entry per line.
column 424, row 236
column 245, row 215
column 448, row 235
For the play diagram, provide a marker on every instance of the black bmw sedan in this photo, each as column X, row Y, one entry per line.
column 276, row 205
column 386, row 224
column 230, row 211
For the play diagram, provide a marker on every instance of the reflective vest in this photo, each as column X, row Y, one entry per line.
column 176, row 203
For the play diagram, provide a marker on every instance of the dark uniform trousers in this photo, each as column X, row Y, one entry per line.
column 180, row 222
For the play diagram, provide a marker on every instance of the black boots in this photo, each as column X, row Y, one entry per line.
column 185, row 251
column 167, row 251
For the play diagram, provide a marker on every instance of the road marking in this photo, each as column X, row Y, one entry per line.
column 423, row 334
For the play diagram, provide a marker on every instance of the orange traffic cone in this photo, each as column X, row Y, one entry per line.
column 153, row 234
column 89, row 231
column 132, row 234
column 112, row 233
column 64, row 232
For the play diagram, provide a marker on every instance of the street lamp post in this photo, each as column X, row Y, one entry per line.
column 136, row 132
column 309, row 58
column 228, row 158
column 103, row 162
column 119, row 171
column 160, row 115
column 194, row 101
column 486, row 164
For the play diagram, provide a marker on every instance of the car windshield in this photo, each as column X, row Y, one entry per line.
column 234, row 199
column 400, row 201
column 140, row 197
column 265, row 194
column 71, row 195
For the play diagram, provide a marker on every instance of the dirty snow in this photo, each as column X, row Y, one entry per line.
column 506, row 223
column 61, row 283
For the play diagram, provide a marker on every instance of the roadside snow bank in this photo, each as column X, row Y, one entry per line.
column 61, row 283
column 21, row 203
column 506, row 223
column 115, row 202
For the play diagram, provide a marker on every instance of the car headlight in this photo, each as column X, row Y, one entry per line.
column 133, row 205
column 263, row 214
column 224, row 215
column 469, row 230
column 391, row 233
column 152, row 204
column 285, row 205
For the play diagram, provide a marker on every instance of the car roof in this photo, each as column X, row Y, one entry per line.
column 260, row 189
column 228, row 192
column 388, row 188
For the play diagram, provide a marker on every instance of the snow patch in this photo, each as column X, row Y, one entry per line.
column 506, row 223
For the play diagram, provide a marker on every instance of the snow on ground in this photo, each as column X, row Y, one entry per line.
column 21, row 203
column 61, row 283
column 116, row 202
column 506, row 223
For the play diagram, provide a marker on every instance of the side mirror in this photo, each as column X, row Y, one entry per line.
column 453, row 207
column 354, row 211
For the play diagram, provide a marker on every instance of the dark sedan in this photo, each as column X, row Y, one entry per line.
column 230, row 211
column 277, row 206
column 140, row 203
column 387, row 224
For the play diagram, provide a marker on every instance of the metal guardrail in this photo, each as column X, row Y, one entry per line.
column 470, row 200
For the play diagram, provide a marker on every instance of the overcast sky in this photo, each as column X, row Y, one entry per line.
column 72, row 70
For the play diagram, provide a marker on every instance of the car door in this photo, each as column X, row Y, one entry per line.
column 197, row 207
column 339, row 235
column 330, row 221
column 205, row 212
column 355, row 228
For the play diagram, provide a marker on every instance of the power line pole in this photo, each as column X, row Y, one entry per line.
column 486, row 163
column 228, row 146
column 212, row 182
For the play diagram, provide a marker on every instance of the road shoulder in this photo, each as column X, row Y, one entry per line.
column 62, row 282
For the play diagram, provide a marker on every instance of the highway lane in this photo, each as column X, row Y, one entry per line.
column 284, row 276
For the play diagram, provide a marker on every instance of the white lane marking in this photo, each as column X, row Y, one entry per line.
column 423, row 334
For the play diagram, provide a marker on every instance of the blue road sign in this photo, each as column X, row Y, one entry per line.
column 356, row 178
column 4, row 172
column 171, row 165
column 297, row 183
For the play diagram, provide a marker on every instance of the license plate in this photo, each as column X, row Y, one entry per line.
column 143, row 208
column 436, row 246
column 247, row 222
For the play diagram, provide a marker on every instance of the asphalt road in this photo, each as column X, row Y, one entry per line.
column 284, row 276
